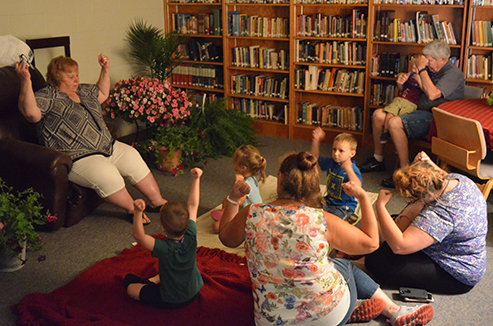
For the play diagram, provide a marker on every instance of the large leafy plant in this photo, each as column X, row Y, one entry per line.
column 152, row 52
column 225, row 129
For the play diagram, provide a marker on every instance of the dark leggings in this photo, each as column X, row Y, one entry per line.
column 415, row 270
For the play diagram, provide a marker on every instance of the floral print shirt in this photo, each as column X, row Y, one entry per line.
column 458, row 222
column 293, row 280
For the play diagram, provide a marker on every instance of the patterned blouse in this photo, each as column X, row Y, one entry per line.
column 293, row 280
column 76, row 129
column 458, row 221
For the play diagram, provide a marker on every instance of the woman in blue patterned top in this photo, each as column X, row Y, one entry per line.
column 438, row 242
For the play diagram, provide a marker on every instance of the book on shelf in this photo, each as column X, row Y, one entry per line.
column 421, row 18
column 479, row 66
column 349, row 118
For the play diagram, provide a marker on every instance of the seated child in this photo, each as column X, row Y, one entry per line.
column 409, row 85
column 340, row 169
column 179, row 281
column 250, row 167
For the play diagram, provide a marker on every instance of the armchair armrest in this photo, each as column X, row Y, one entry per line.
column 24, row 165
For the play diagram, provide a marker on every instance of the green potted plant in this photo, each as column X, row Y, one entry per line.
column 177, row 146
column 20, row 212
column 153, row 53
column 226, row 130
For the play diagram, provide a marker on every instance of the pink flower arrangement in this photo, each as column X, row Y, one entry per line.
column 151, row 101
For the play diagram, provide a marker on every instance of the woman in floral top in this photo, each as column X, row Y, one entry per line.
column 438, row 242
column 286, row 243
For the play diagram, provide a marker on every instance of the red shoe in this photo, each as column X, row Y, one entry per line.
column 216, row 215
column 368, row 310
column 412, row 316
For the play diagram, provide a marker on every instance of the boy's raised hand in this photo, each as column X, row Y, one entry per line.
column 318, row 134
column 139, row 205
column 196, row 173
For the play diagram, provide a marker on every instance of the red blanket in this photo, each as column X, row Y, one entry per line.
column 98, row 296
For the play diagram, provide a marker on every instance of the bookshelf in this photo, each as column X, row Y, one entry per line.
column 479, row 47
column 329, row 68
column 202, row 70
column 258, row 61
column 297, row 64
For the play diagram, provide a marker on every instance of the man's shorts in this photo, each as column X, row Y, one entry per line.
column 417, row 124
column 400, row 106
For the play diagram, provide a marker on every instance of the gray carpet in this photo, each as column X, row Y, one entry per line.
column 105, row 233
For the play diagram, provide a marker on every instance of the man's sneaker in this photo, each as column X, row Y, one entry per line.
column 412, row 316
column 368, row 310
column 384, row 137
column 372, row 165
column 388, row 182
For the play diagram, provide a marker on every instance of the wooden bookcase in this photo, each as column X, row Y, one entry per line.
column 477, row 70
column 300, row 62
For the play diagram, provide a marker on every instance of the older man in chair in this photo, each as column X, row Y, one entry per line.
column 441, row 81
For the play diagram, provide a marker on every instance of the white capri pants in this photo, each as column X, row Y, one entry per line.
column 105, row 174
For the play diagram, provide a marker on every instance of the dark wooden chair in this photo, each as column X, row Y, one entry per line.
column 50, row 42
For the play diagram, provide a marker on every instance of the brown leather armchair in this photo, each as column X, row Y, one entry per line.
column 25, row 164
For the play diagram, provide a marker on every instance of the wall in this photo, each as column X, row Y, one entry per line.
column 94, row 27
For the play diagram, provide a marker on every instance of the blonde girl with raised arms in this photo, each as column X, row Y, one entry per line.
column 249, row 166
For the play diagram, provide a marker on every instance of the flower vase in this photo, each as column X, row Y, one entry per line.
column 11, row 261
column 167, row 163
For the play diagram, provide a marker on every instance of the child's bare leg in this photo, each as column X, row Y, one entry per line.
column 155, row 279
column 133, row 290
column 215, row 226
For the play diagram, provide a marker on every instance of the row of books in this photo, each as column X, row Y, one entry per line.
column 314, row 78
column 259, row 1
column 200, row 97
column 255, row 26
column 260, row 109
column 334, row 2
column 481, row 33
column 423, row 29
column 260, row 85
column 203, row 23
column 198, row 76
column 197, row 49
column 349, row 118
column 390, row 64
column 318, row 25
column 480, row 66
column 331, row 52
column 195, row 1
column 382, row 93
column 255, row 56
column 482, row 3
column 421, row 2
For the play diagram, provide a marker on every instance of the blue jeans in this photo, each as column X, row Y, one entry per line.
column 361, row 286
column 417, row 124
column 344, row 212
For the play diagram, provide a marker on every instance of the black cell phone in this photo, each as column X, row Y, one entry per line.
column 415, row 295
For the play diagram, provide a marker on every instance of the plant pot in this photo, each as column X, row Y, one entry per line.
column 167, row 163
column 11, row 261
